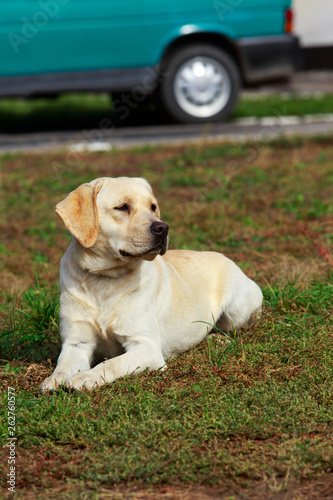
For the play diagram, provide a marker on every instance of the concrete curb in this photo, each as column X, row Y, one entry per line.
column 237, row 130
column 284, row 120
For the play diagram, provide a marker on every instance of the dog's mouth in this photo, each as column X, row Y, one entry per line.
column 125, row 254
column 152, row 252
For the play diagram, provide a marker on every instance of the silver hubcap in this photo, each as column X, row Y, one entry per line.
column 202, row 87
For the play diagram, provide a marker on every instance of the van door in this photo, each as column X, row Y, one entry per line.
column 46, row 36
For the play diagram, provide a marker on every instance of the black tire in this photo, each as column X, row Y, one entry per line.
column 201, row 101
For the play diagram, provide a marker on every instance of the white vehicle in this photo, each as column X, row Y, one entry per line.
column 313, row 24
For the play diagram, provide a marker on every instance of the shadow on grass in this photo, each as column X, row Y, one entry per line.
column 95, row 111
column 74, row 112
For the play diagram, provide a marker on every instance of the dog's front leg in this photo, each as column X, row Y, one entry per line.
column 136, row 359
column 76, row 354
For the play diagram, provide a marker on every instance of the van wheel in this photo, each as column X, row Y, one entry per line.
column 201, row 84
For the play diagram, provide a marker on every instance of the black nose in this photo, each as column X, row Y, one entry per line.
column 159, row 228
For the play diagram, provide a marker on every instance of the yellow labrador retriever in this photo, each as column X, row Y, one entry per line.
column 126, row 304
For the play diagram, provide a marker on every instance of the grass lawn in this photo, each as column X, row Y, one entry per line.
column 249, row 417
column 79, row 111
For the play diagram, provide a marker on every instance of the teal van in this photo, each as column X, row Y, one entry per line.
column 195, row 55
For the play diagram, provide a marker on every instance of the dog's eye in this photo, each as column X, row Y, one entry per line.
column 154, row 208
column 123, row 208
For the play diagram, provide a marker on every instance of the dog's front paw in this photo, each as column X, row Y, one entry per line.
column 53, row 382
column 82, row 380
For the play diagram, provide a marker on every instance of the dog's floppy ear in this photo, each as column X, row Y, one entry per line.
column 79, row 214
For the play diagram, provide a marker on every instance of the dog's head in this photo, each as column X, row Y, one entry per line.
column 116, row 217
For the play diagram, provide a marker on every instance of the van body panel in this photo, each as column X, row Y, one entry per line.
column 49, row 46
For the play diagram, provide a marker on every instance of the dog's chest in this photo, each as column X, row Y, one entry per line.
column 112, row 305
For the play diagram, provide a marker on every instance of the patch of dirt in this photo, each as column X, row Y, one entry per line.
column 268, row 489
column 317, row 489
column 286, row 268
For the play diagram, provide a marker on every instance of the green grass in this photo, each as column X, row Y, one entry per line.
column 253, row 411
column 278, row 106
column 31, row 327
column 66, row 111
column 258, row 404
column 84, row 111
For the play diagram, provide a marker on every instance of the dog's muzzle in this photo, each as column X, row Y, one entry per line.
column 160, row 231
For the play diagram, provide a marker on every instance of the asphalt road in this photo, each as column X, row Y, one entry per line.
column 97, row 140
column 241, row 129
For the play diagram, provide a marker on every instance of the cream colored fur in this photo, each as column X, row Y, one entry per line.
column 125, row 307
